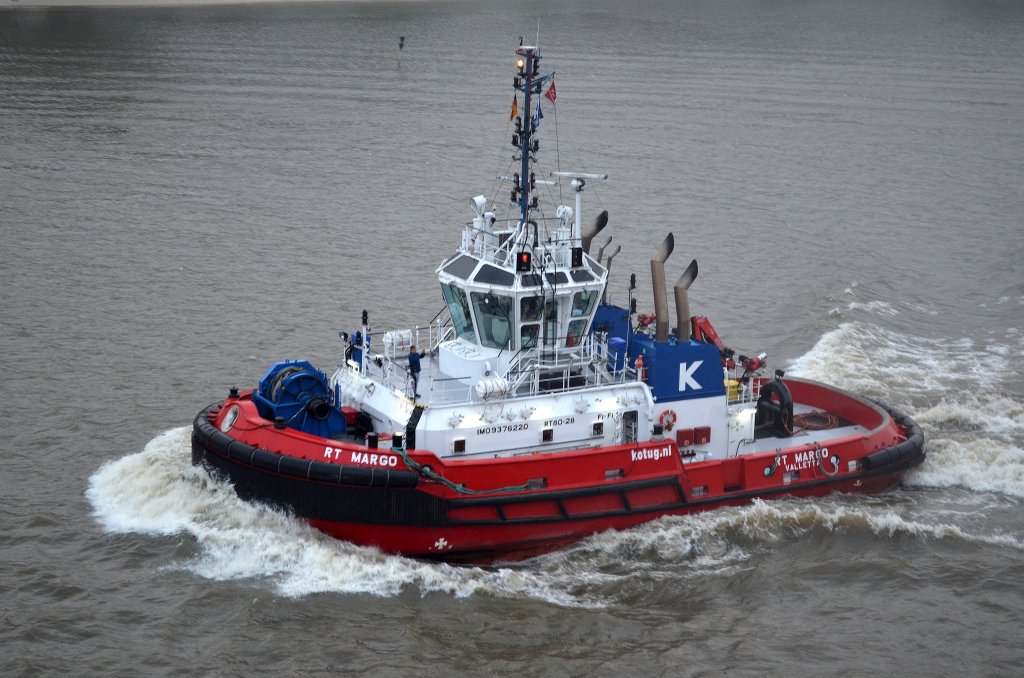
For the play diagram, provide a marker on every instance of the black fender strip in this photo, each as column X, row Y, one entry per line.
column 215, row 442
column 902, row 455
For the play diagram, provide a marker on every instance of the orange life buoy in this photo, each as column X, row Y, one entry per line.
column 667, row 420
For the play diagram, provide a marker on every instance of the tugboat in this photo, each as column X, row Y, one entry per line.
column 547, row 412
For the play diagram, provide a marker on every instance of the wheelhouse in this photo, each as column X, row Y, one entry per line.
column 513, row 296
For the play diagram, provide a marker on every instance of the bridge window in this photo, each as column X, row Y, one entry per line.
column 551, row 322
column 528, row 335
column 529, row 308
column 494, row 318
column 531, row 280
column 492, row 275
column 461, row 267
column 458, row 306
column 576, row 330
column 583, row 303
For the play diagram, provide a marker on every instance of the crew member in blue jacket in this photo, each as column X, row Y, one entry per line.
column 414, row 368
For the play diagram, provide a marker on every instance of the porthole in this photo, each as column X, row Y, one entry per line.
column 229, row 419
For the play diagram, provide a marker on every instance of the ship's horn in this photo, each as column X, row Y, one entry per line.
column 683, row 301
column 658, row 282
column 591, row 231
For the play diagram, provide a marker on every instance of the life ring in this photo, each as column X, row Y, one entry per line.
column 667, row 420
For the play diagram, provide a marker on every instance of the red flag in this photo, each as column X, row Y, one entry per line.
column 515, row 107
column 551, row 93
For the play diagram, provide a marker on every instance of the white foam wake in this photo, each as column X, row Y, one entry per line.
column 716, row 538
column 873, row 360
column 962, row 395
column 158, row 492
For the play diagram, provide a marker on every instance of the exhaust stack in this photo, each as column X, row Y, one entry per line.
column 591, row 231
column 608, row 267
column 683, row 301
column 658, row 282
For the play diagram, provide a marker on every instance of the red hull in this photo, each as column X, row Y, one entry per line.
column 488, row 544
column 510, row 508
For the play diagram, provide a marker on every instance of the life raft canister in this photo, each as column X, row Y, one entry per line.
column 667, row 419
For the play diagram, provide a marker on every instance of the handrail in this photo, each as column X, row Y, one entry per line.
column 557, row 369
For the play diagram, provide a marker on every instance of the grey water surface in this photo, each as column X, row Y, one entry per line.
column 188, row 194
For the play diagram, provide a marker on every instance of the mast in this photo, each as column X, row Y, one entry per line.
column 528, row 81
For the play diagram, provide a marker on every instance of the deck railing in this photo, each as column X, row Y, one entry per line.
column 530, row 372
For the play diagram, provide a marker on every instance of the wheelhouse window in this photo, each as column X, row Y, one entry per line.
column 551, row 322
column 581, row 309
column 529, row 308
column 492, row 275
column 583, row 303
column 575, row 334
column 529, row 334
column 458, row 306
column 462, row 267
column 494, row 317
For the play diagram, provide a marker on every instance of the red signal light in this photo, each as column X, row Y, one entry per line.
column 523, row 262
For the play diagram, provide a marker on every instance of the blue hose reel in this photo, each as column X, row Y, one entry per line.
column 301, row 395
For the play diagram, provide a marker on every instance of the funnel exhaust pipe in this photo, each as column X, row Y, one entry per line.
column 658, row 282
column 608, row 268
column 683, row 301
column 591, row 231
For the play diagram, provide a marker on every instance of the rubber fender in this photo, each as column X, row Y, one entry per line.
column 240, row 452
column 910, row 452
column 207, row 439
column 293, row 466
column 326, row 473
column 781, row 413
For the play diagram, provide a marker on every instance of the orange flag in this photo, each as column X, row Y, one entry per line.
column 515, row 107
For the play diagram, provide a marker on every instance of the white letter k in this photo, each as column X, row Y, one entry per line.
column 686, row 375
